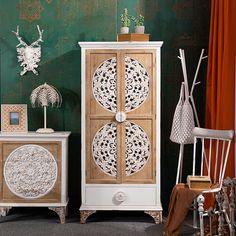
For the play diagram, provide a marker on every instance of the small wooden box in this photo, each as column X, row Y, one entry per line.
column 132, row 37
column 198, row 182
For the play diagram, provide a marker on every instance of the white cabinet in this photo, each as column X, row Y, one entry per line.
column 120, row 127
column 33, row 171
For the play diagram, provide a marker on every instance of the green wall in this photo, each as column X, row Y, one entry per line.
column 179, row 23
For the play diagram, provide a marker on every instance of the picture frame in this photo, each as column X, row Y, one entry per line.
column 14, row 118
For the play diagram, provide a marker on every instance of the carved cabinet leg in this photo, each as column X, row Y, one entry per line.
column 61, row 212
column 156, row 215
column 4, row 211
column 84, row 215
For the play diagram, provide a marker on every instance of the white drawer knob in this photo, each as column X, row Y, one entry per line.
column 120, row 196
column 120, row 116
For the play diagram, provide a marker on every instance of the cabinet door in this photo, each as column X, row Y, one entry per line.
column 102, row 103
column 120, row 116
column 30, row 171
column 139, row 104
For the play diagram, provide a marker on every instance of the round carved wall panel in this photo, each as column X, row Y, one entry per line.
column 137, row 148
column 30, row 171
column 104, row 150
column 104, row 84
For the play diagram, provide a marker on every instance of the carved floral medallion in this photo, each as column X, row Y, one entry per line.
column 104, row 148
column 137, row 148
column 136, row 88
column 30, row 171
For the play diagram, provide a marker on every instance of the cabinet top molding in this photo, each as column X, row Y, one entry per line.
column 35, row 135
column 122, row 45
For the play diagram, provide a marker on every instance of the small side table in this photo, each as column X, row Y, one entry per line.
column 33, row 171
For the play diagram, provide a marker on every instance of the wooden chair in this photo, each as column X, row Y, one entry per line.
column 211, row 161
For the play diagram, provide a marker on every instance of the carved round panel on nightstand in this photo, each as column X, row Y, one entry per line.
column 30, row 171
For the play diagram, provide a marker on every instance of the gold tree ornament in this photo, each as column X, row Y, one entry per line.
column 43, row 96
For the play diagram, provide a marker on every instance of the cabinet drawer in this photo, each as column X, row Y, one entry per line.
column 116, row 196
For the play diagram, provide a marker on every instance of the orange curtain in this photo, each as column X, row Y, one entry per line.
column 220, row 88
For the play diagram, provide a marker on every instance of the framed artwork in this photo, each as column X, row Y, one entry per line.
column 14, row 118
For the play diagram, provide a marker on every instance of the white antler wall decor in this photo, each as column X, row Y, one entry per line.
column 29, row 55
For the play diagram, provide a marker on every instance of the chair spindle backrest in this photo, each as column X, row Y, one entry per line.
column 215, row 145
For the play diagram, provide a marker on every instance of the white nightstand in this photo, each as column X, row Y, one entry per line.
column 33, row 171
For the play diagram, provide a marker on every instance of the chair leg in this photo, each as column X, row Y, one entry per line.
column 200, row 201
column 195, row 214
